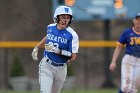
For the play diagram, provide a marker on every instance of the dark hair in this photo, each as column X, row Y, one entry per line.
column 137, row 17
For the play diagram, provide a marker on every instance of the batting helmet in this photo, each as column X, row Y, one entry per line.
column 62, row 10
column 137, row 15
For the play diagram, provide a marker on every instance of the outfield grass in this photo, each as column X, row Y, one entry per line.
column 71, row 91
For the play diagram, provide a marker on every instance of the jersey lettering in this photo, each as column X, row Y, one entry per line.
column 135, row 40
column 57, row 38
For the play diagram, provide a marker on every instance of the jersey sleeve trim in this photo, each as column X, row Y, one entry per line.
column 118, row 43
column 53, row 24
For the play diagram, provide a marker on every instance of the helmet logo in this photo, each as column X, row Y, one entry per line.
column 66, row 10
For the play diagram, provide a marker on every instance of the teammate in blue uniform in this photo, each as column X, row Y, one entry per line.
column 130, row 68
column 61, row 46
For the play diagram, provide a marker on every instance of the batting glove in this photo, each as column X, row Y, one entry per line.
column 35, row 53
column 51, row 48
column 56, row 50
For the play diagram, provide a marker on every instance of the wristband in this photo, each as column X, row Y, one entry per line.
column 66, row 53
column 36, row 48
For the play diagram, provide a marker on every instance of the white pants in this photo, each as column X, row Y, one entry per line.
column 130, row 74
column 51, row 78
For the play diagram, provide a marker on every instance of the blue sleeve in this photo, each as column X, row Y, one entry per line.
column 123, row 38
column 46, row 29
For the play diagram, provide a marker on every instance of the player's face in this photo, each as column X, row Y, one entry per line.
column 137, row 24
column 64, row 19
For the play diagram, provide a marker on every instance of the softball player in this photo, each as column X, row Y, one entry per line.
column 130, row 69
column 61, row 46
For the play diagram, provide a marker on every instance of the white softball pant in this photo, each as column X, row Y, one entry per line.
column 130, row 74
column 51, row 78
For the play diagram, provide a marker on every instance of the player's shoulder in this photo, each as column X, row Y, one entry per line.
column 127, row 30
column 70, row 30
column 51, row 25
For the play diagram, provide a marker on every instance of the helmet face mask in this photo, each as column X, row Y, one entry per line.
column 62, row 10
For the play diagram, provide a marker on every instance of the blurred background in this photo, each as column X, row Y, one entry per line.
column 98, row 23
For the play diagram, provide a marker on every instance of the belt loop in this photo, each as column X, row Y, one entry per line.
column 47, row 60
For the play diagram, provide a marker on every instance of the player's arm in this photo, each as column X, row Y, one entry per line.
column 115, row 57
column 73, row 57
column 41, row 43
column 75, row 47
column 37, row 47
column 120, row 44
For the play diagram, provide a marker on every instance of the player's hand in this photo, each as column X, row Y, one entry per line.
column 35, row 53
column 112, row 66
column 57, row 50
column 51, row 48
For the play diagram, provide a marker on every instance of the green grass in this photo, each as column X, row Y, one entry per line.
column 70, row 91
column 91, row 91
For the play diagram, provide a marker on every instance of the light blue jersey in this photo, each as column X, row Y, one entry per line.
column 63, row 39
